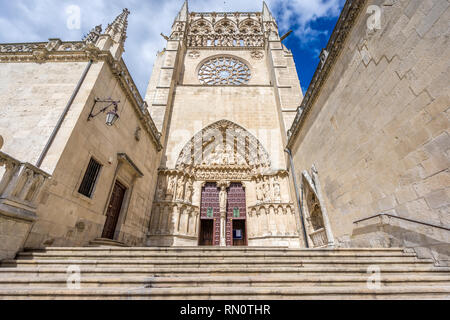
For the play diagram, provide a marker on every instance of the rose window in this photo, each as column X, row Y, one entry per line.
column 224, row 71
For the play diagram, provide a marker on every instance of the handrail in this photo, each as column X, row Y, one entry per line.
column 402, row 218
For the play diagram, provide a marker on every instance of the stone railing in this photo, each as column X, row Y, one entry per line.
column 21, row 183
column 20, row 187
column 319, row 238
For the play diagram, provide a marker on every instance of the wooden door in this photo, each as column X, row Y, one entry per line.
column 206, row 232
column 113, row 212
column 210, row 210
column 236, row 215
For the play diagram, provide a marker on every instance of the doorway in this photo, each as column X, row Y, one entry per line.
column 210, row 216
column 236, row 216
column 239, row 236
column 206, row 232
column 114, row 208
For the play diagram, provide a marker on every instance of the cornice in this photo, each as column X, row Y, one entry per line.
column 347, row 19
column 56, row 50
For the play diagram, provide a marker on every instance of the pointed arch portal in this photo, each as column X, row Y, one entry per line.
column 225, row 150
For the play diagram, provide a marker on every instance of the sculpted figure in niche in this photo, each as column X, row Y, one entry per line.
column 259, row 191
column 229, row 152
column 170, row 187
column 180, row 189
column 276, row 190
column 267, row 196
column 189, row 190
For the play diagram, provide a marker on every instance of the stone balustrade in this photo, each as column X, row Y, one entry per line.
column 20, row 187
column 21, row 183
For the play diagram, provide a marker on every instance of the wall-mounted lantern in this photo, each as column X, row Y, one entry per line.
column 111, row 116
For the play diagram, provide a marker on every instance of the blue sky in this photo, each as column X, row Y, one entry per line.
column 37, row 20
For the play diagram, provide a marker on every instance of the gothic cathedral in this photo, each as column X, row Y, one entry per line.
column 223, row 178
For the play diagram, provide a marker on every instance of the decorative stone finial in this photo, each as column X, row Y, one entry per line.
column 92, row 37
column 118, row 29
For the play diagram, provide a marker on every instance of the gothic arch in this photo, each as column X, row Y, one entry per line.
column 225, row 26
column 250, row 26
column 201, row 27
column 227, row 145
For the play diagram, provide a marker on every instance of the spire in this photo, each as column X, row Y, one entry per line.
column 118, row 29
column 267, row 15
column 183, row 14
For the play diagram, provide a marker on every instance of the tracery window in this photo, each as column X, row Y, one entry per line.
column 224, row 71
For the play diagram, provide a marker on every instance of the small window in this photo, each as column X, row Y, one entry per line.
column 210, row 213
column 90, row 178
column 236, row 213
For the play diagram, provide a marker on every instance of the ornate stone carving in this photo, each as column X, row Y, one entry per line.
column 180, row 189
column 224, row 71
column 225, row 151
column 170, row 187
column 92, row 37
column 225, row 30
column 194, row 54
column 189, row 191
column 276, row 190
column 257, row 55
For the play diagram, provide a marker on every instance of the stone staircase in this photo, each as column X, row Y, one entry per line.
column 222, row 273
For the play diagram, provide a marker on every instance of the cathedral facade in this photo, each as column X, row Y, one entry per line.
column 224, row 150
column 222, row 93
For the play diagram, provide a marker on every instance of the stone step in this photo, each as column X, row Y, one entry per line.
column 232, row 293
column 187, row 250
column 222, row 270
column 210, row 255
column 224, row 281
column 208, row 262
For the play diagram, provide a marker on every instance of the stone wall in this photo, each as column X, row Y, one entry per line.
column 378, row 130
column 32, row 98
column 13, row 233
column 65, row 217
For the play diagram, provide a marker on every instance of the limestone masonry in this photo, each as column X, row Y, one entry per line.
column 225, row 150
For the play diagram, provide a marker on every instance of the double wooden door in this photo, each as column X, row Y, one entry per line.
column 113, row 212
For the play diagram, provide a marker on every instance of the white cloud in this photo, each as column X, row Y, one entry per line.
column 38, row 20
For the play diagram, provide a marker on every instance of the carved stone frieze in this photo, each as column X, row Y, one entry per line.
column 225, row 30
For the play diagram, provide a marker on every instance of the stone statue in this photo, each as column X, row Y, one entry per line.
column 223, row 199
column 276, row 190
column 267, row 196
column 259, row 192
column 180, row 189
column 189, row 190
column 170, row 188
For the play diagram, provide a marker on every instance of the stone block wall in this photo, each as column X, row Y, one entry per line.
column 378, row 132
column 64, row 216
column 32, row 98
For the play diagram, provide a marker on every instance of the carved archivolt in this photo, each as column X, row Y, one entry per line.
column 224, row 150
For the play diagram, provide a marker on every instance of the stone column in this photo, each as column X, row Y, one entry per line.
column 223, row 215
